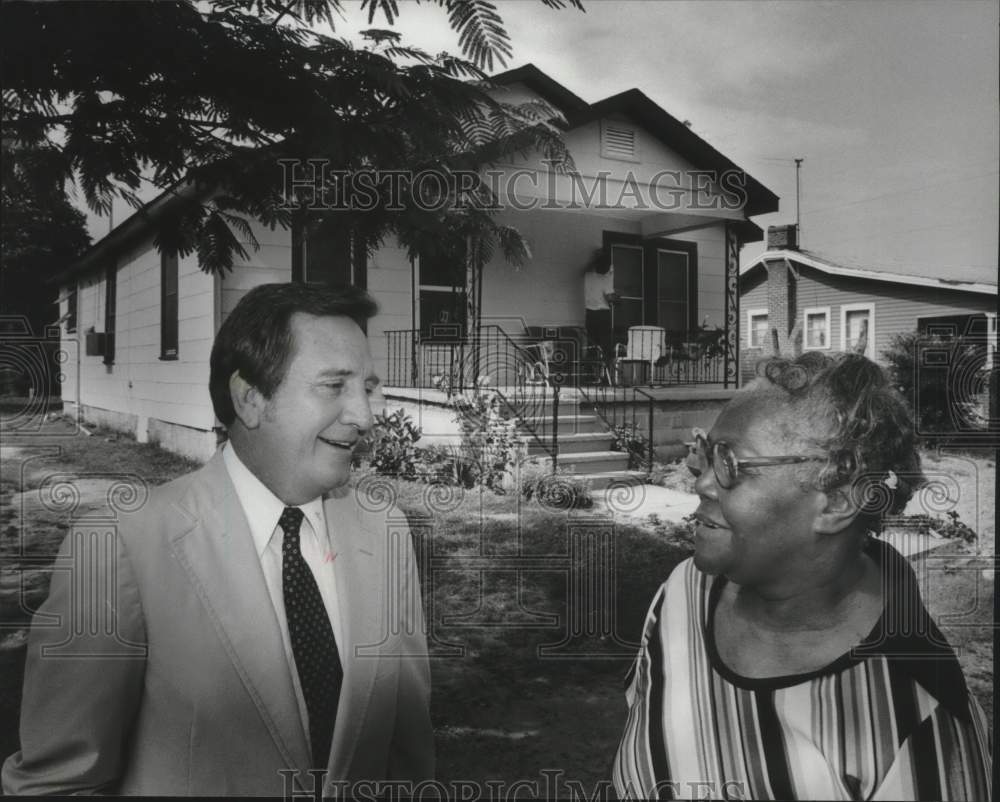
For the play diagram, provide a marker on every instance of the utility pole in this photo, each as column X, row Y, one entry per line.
column 798, row 224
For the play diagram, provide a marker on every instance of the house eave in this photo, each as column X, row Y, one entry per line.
column 127, row 232
column 545, row 87
column 678, row 136
column 979, row 288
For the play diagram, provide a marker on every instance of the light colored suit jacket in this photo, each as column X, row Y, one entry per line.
column 185, row 688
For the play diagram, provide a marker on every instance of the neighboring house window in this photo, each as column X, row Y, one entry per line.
column 619, row 141
column 857, row 320
column 168, row 306
column 71, row 311
column 110, row 309
column 756, row 328
column 442, row 296
column 816, row 324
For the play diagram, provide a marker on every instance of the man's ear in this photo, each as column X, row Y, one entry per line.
column 247, row 401
column 840, row 509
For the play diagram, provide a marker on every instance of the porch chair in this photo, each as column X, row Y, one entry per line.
column 645, row 344
column 538, row 347
column 565, row 350
column 583, row 359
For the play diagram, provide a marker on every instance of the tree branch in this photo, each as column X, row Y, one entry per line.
column 285, row 10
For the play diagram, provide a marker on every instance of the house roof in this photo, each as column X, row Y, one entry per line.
column 130, row 229
column 810, row 259
column 542, row 85
column 680, row 138
column 760, row 200
column 633, row 103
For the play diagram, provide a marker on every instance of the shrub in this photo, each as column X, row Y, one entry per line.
column 627, row 437
column 441, row 464
column 553, row 491
column 490, row 444
column 392, row 447
column 939, row 392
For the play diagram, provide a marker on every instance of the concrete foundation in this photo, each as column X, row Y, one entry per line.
column 196, row 444
column 110, row 419
column 673, row 419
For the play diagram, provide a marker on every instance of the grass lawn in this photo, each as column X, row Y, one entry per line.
column 533, row 612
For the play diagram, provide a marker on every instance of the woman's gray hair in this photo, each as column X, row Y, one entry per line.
column 871, row 439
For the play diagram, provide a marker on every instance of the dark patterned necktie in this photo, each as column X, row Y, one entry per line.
column 313, row 644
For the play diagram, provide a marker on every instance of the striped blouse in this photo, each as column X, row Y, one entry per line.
column 892, row 719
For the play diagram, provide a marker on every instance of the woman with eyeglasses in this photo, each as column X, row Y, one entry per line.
column 791, row 656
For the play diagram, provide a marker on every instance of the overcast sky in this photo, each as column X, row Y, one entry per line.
column 892, row 105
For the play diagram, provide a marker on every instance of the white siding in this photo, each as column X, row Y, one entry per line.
column 139, row 384
column 711, row 244
column 389, row 281
column 271, row 263
column 549, row 288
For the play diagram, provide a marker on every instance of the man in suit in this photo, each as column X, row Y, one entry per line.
column 264, row 621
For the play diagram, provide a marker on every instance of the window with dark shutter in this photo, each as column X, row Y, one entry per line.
column 327, row 254
column 168, row 306
column 442, row 295
column 110, row 310
column 71, row 311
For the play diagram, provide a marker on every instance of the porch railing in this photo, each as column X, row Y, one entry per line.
column 657, row 357
column 447, row 361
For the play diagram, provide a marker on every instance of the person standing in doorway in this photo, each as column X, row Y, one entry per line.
column 599, row 295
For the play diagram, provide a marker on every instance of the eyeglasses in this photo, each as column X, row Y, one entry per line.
column 726, row 464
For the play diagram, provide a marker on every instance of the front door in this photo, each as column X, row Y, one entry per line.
column 656, row 281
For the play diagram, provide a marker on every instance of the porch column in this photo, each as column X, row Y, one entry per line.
column 732, row 356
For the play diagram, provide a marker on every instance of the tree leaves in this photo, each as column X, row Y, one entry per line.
column 41, row 233
column 217, row 244
column 212, row 94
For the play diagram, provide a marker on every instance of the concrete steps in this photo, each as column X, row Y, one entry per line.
column 576, row 443
column 584, row 447
column 571, row 423
column 592, row 461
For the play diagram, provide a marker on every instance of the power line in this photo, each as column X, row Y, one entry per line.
column 884, row 232
column 900, row 192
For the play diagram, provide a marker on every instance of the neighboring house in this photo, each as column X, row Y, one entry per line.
column 834, row 304
column 668, row 210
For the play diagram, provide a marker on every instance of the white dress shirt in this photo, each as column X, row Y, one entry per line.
column 596, row 286
column 263, row 509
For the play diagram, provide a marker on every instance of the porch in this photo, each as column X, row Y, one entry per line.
column 547, row 355
column 574, row 428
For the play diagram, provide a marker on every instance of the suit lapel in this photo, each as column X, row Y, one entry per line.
column 359, row 582
column 218, row 553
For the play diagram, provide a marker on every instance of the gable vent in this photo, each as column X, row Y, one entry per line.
column 619, row 142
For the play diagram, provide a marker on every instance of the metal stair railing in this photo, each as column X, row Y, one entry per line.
column 447, row 361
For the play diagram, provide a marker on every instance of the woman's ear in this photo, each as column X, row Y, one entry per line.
column 247, row 401
column 841, row 508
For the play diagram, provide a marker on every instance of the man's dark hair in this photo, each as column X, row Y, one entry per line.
column 256, row 339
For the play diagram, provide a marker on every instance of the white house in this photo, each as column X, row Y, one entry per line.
column 667, row 209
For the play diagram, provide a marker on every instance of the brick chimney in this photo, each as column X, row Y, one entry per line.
column 780, row 295
column 783, row 238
